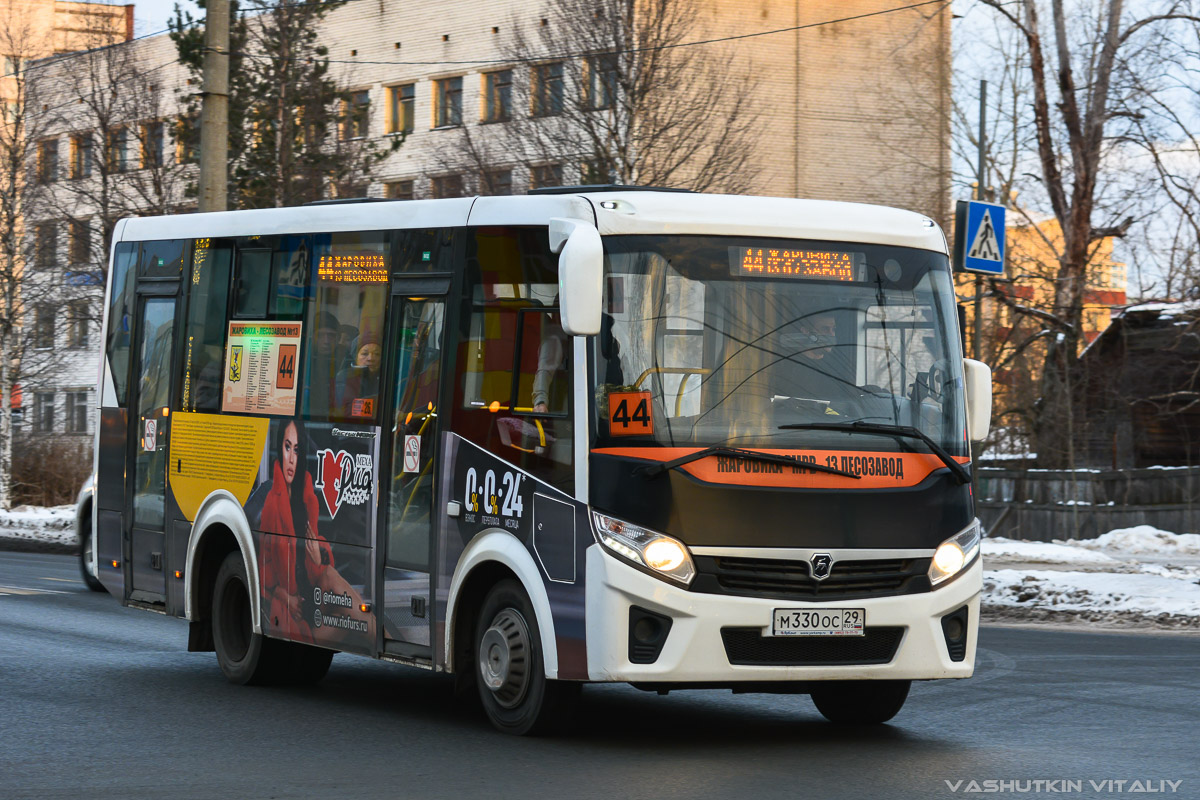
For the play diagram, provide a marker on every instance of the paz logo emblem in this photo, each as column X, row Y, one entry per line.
column 821, row 563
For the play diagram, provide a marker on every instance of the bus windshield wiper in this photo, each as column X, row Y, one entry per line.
column 650, row 470
column 905, row 431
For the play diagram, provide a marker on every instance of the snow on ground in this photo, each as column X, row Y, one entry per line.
column 31, row 527
column 1131, row 577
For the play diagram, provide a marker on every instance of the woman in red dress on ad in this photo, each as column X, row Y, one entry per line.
column 299, row 561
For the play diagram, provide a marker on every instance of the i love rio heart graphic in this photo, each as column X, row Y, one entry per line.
column 334, row 469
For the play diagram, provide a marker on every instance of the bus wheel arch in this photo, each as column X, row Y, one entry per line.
column 220, row 528
column 489, row 559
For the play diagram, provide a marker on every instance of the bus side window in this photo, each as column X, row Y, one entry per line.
column 162, row 259
column 253, row 278
column 204, row 341
column 512, row 285
column 343, row 327
column 120, row 316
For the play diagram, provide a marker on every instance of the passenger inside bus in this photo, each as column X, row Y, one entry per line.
column 320, row 395
column 358, row 384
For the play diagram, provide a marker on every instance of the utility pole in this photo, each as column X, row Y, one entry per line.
column 980, row 172
column 214, row 109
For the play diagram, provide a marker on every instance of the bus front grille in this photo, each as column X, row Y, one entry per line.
column 790, row 579
column 748, row 647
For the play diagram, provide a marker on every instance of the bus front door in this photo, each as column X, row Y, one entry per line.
column 151, row 396
column 409, row 532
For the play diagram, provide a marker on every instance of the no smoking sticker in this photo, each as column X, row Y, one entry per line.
column 412, row 453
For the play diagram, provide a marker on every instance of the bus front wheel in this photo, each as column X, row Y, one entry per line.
column 513, row 687
column 860, row 702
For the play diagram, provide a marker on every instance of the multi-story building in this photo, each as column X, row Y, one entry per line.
column 854, row 110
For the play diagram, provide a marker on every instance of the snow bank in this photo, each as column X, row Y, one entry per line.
column 1016, row 550
column 1145, row 595
column 30, row 527
column 1144, row 539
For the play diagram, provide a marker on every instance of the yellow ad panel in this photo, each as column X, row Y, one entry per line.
column 210, row 452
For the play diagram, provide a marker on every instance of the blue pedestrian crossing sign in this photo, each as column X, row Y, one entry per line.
column 979, row 237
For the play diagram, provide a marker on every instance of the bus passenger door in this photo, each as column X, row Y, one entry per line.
column 150, row 392
column 418, row 326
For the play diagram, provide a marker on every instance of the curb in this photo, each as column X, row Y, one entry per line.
column 15, row 545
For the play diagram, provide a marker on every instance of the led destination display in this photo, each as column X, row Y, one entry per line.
column 769, row 262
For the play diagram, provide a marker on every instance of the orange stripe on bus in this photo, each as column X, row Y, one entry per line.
column 876, row 470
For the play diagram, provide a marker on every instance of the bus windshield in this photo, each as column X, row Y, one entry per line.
column 748, row 342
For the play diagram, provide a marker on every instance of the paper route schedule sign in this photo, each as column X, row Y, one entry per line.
column 261, row 359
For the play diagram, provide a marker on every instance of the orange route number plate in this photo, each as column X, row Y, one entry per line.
column 629, row 414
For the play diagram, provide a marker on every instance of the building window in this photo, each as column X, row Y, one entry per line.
column 77, row 324
column 497, row 96
column 356, row 115
column 81, row 242
column 398, row 190
column 447, row 102
column 47, row 161
column 601, row 81
column 548, row 89
column 13, row 65
column 545, row 175
column 151, row 141
column 46, row 244
column 447, row 186
column 400, row 108
column 187, row 137
column 496, row 182
column 43, row 412
column 81, row 156
column 597, row 172
column 43, row 328
column 116, row 144
column 77, row 412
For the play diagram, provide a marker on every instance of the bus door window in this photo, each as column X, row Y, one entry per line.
column 153, row 396
column 521, row 415
column 418, row 372
column 120, row 316
column 344, row 326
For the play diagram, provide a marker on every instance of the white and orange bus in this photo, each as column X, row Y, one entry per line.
column 670, row 439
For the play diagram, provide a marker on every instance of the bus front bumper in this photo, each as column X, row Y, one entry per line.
column 695, row 651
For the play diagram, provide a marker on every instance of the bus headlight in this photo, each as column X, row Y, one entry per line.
column 659, row 553
column 954, row 554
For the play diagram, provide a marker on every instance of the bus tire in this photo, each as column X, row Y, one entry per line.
column 245, row 657
column 860, row 702
column 509, row 665
column 86, row 542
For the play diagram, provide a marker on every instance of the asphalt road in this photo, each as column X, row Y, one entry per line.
column 102, row 702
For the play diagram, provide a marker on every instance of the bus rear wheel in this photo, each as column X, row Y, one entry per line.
column 513, row 687
column 860, row 702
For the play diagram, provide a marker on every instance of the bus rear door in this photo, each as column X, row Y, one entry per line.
column 150, row 401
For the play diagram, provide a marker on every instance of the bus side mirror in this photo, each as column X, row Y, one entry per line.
column 580, row 274
column 978, row 378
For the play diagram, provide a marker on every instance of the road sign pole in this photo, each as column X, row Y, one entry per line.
column 977, row 334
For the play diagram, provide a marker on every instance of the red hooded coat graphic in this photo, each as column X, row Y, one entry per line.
column 277, row 554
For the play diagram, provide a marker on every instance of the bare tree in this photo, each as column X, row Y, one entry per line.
column 606, row 91
column 25, row 162
column 1085, row 75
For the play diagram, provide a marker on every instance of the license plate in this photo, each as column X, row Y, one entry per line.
column 818, row 622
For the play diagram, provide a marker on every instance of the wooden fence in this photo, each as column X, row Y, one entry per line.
column 1082, row 504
